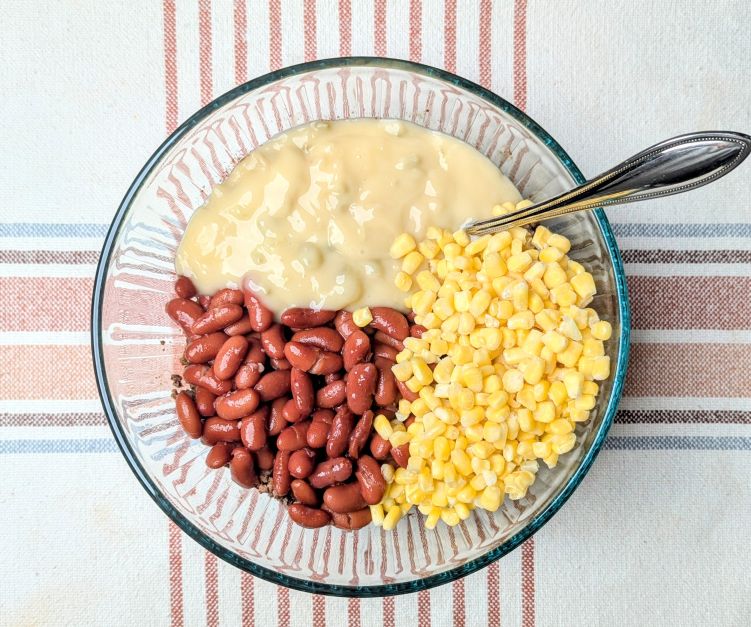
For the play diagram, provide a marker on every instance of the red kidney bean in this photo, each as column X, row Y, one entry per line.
column 217, row 318
column 205, row 402
column 331, row 395
column 255, row 350
column 361, row 385
column 277, row 422
column 384, row 350
column 230, row 357
column 309, row 517
column 219, row 454
column 205, row 348
column 400, row 454
column 184, row 287
column 226, row 296
column 264, row 458
column 405, row 391
column 293, row 437
column 280, row 364
column 344, row 323
column 291, row 412
column 203, row 376
column 241, row 327
column 371, row 481
column 280, row 478
column 409, row 421
column 253, row 429
column 241, row 468
column 341, row 427
column 382, row 362
column 330, row 378
column 188, row 415
column 220, row 430
column 311, row 359
column 389, row 341
column 386, row 389
column 302, row 391
column 411, row 316
column 272, row 340
column 204, row 300
column 326, row 363
column 379, row 447
column 355, row 349
column 237, row 404
column 416, row 330
column 343, row 499
column 330, row 472
column 260, row 316
column 302, row 492
column 360, row 434
column 273, row 385
column 184, row 312
column 318, row 432
column 304, row 318
column 390, row 321
column 325, row 338
column 247, row 375
column 351, row 521
column 301, row 463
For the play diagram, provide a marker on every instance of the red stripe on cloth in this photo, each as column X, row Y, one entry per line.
column 319, row 611
column 204, row 50
column 247, row 602
column 170, row 64
column 528, row 583
column 415, row 30
column 379, row 25
column 282, row 600
column 175, row 575
column 309, row 28
column 65, row 306
column 42, row 372
column 388, row 612
column 353, row 613
column 423, row 608
column 486, row 43
column 345, row 28
column 449, row 35
column 211, row 576
column 457, row 602
column 241, row 41
column 494, row 595
column 275, row 34
column 520, row 54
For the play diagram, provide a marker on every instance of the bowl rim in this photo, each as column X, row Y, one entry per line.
column 271, row 575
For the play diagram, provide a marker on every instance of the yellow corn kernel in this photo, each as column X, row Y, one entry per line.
column 413, row 384
column 570, row 355
column 585, row 401
column 554, row 275
column 563, row 295
column 481, row 449
column 433, row 517
column 461, row 237
column 521, row 320
column 382, row 426
column 590, row 387
column 557, row 393
column 422, row 301
column 429, row 249
column 402, row 371
column 526, row 420
column 461, row 461
column 376, row 514
column 560, row 242
column 490, row 498
column 493, row 266
column 387, row 470
column 392, row 517
column 600, row 368
column 541, row 449
column 402, row 245
column 550, row 254
column 584, row 285
column 422, row 371
column 362, row 317
column 574, row 268
column 513, row 381
column 545, row 412
column 535, row 271
column 450, row 517
column 560, row 426
column 472, row 378
column 398, row 438
column 533, row 369
column 441, row 449
column 578, row 415
column 569, row 329
column 545, row 320
column 479, row 303
column 412, row 261
column 519, row 262
column 555, row 341
column 563, row 443
column 427, row 281
column 403, row 281
column 520, row 296
column 541, row 236
column 452, row 250
column 573, row 380
column 462, row 511
column 436, row 469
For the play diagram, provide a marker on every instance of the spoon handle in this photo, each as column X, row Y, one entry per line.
column 671, row 167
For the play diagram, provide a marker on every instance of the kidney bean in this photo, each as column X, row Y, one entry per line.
column 302, row 391
column 184, row 287
column 405, row 391
column 253, row 429
column 330, row 472
column 304, row 318
column 203, row 376
column 384, row 350
column 280, row 474
column 280, row 364
column 344, row 324
column 185, row 312
column 301, row 463
column 341, row 427
column 309, row 517
column 230, row 357
column 342, row 499
column 390, row 321
column 371, row 481
column 255, row 350
column 325, row 338
column 361, row 385
column 416, row 330
column 294, row 437
column 382, row 362
column 379, row 447
column 386, row 389
column 330, row 378
column 318, row 432
column 326, row 363
column 302, row 492
column 264, row 458
column 204, row 300
column 226, row 296
column 355, row 349
column 273, row 385
column 409, row 421
column 219, row 454
column 400, row 454
column 311, row 359
column 204, row 348
column 217, row 318
column 247, row 375
column 360, row 434
column 332, row 394
column 241, row 468
column 237, row 404
column 259, row 315
column 220, row 430
column 277, row 422
column 272, row 340
column 188, row 415
column 241, row 327
column 205, row 402
column 389, row 341
column 291, row 412
column 351, row 521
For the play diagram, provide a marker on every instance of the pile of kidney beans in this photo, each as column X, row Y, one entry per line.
column 289, row 405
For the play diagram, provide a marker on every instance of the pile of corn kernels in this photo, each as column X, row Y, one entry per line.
column 506, row 369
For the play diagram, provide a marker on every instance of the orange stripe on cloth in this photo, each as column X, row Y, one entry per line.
column 45, row 303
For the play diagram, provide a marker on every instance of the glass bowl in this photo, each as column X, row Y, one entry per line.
column 136, row 350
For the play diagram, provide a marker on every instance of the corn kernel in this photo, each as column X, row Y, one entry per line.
column 392, row 517
column 560, row 242
column 490, row 498
column 519, row 262
column 382, row 426
column 513, row 381
column 411, row 262
column 403, row 281
column 362, row 317
column 376, row 514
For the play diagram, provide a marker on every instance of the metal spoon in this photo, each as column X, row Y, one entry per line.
column 670, row 167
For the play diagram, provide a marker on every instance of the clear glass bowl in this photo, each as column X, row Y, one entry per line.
column 136, row 350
